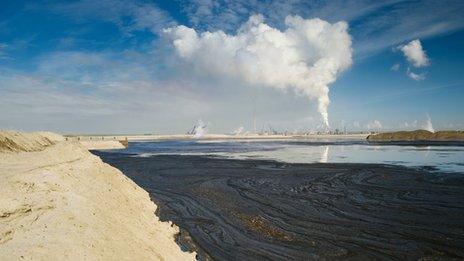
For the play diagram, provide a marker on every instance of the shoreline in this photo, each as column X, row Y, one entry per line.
column 151, row 137
column 59, row 201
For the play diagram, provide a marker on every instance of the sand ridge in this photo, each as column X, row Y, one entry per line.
column 15, row 141
column 58, row 201
column 102, row 144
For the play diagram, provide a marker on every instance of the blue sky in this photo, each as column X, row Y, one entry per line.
column 111, row 66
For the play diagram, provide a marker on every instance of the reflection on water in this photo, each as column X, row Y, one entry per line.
column 445, row 158
column 325, row 155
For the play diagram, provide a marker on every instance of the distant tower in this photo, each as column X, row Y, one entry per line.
column 254, row 119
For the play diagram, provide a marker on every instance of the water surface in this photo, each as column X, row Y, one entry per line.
column 444, row 158
column 304, row 200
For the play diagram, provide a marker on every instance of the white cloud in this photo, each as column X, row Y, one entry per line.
column 305, row 57
column 71, row 91
column 375, row 24
column 373, row 27
column 395, row 67
column 415, row 76
column 415, row 54
column 86, row 91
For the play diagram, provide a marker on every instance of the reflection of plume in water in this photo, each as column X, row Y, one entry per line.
column 199, row 130
column 428, row 124
column 427, row 151
column 325, row 155
column 238, row 131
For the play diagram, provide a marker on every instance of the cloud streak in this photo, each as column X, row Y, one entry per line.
column 395, row 67
column 129, row 16
column 306, row 57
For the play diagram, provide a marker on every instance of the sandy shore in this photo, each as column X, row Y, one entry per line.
column 58, row 201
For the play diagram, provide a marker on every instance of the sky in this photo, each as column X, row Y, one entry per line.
column 114, row 66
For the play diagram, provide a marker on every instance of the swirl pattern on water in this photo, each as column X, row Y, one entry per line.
column 256, row 209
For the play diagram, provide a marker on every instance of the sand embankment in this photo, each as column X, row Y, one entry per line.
column 13, row 141
column 417, row 135
column 60, row 202
column 101, row 144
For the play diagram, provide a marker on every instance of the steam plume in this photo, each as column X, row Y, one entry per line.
column 306, row 57
column 238, row 131
column 199, row 130
column 428, row 124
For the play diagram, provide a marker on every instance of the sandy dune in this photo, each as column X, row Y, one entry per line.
column 60, row 202
column 22, row 141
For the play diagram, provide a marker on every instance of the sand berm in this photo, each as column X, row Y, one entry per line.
column 60, row 202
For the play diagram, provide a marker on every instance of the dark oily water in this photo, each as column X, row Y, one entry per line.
column 255, row 209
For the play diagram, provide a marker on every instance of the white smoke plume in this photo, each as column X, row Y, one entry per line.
column 200, row 129
column 306, row 57
column 238, row 131
column 428, row 124
column 415, row 54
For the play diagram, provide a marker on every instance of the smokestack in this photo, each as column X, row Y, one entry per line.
column 254, row 119
column 254, row 112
